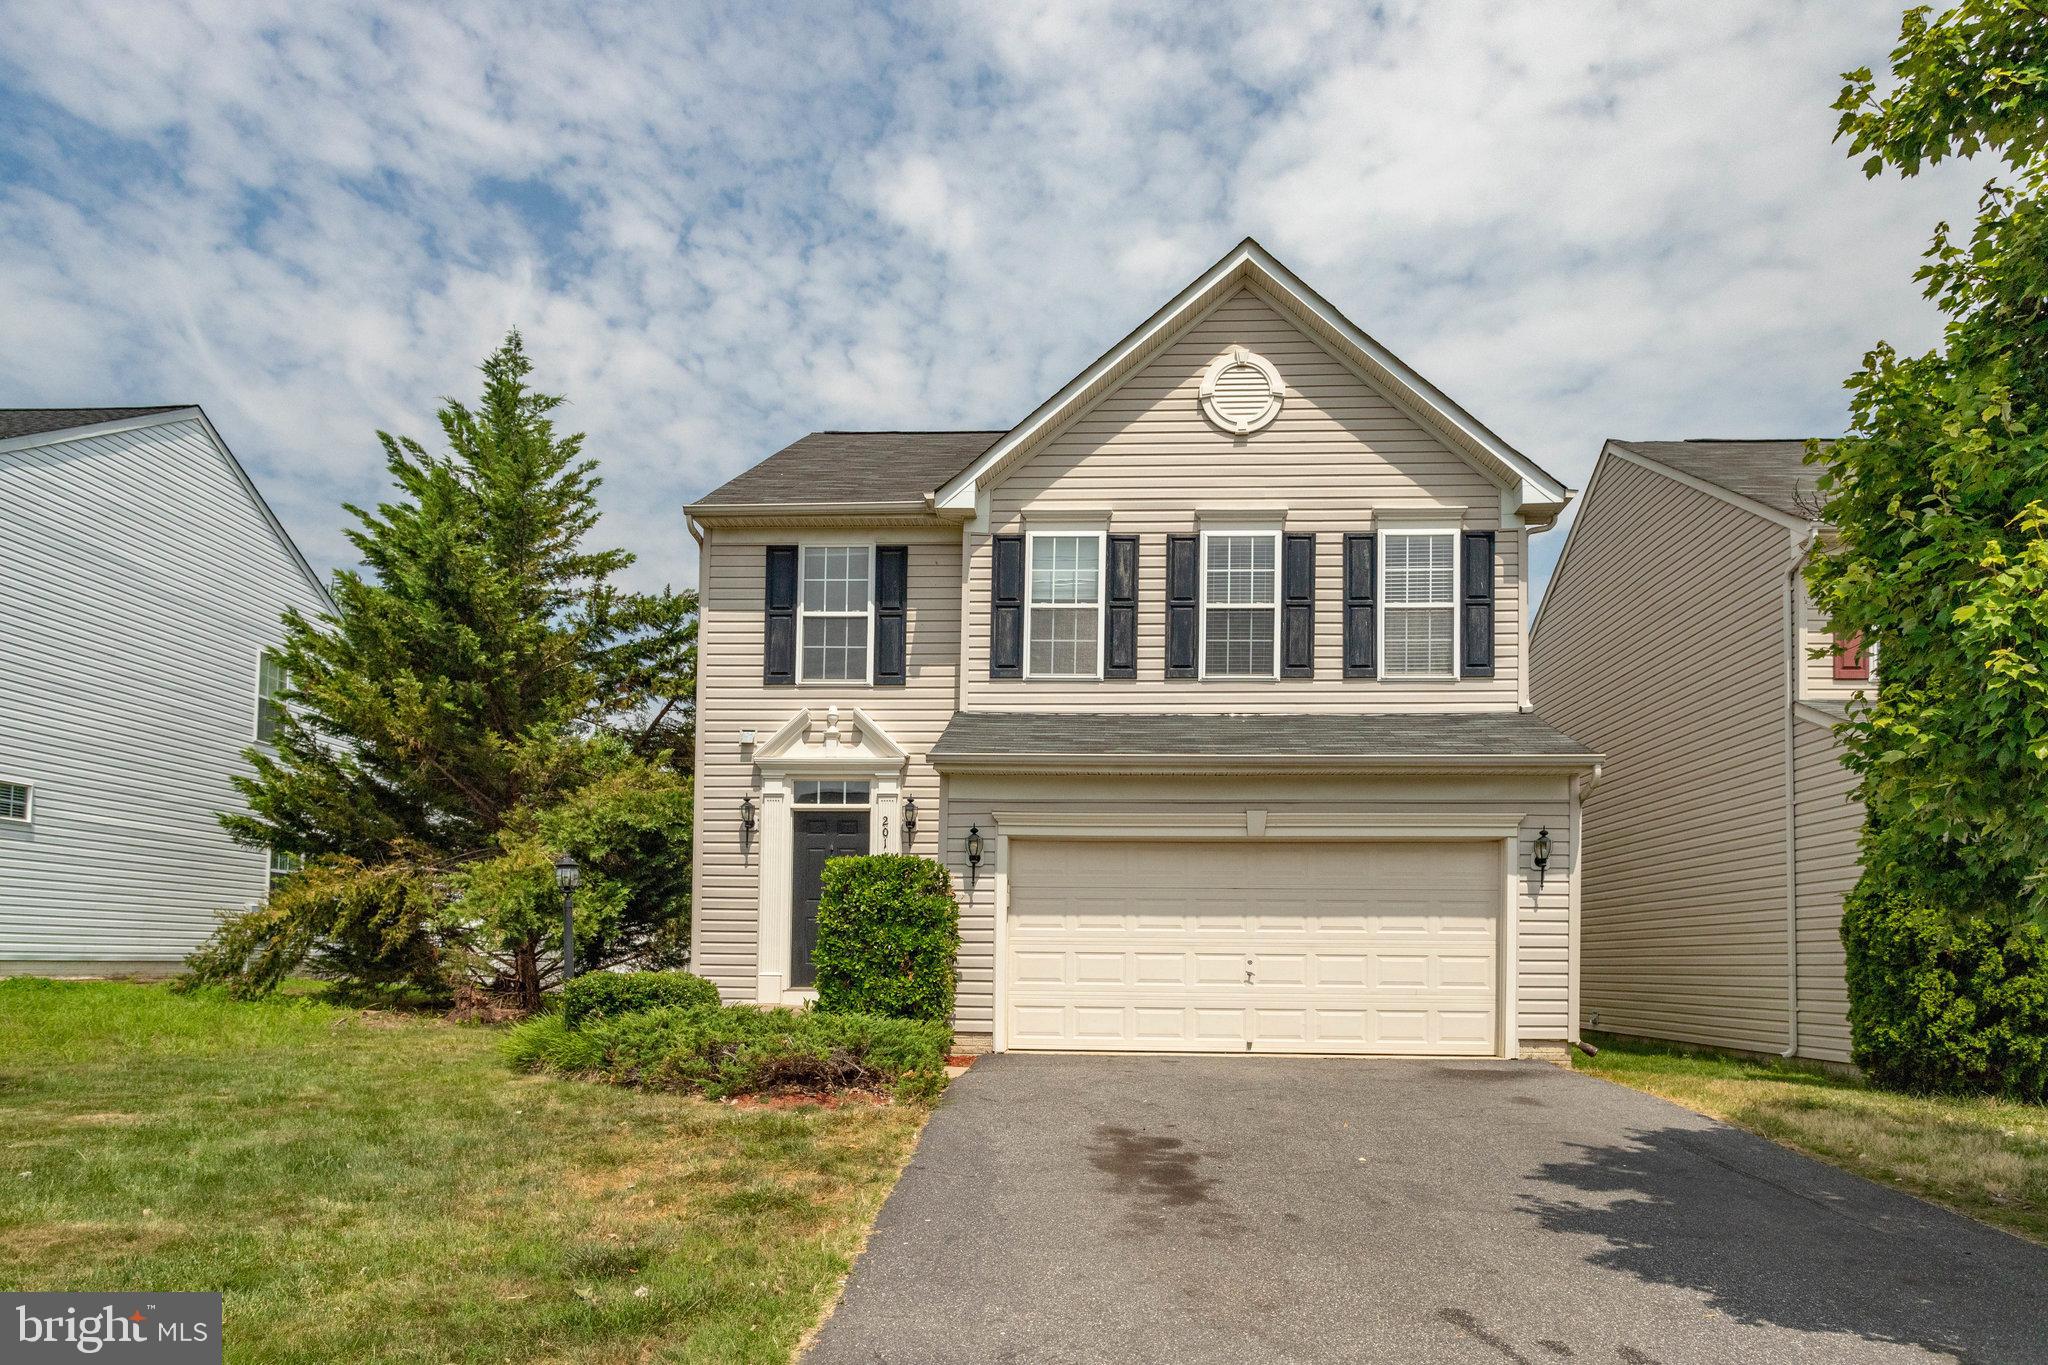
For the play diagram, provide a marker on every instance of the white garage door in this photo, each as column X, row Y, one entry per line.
column 1234, row 947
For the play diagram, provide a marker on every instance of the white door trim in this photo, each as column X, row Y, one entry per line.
column 1504, row 832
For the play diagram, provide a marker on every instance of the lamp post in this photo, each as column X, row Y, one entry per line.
column 567, row 875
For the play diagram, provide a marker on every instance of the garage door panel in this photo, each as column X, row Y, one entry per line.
column 1343, row 954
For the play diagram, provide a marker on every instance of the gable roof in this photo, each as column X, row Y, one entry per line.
column 852, row 467
column 1248, row 263
column 38, row 421
column 1772, row 472
column 20, row 428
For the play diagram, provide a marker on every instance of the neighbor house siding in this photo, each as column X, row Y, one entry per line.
column 1817, row 681
column 1543, row 917
column 1830, row 821
column 731, row 698
column 1146, row 458
column 1662, row 646
column 139, row 586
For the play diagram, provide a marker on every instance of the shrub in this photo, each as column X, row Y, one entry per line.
column 1946, row 1002
column 888, row 936
column 609, row 994
column 740, row 1050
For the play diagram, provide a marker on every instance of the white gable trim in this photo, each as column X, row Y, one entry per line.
column 1712, row 490
column 172, row 418
column 1249, row 263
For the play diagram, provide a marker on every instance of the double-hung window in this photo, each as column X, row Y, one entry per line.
column 269, row 682
column 1419, row 604
column 17, row 802
column 1063, row 615
column 835, row 607
column 1240, row 603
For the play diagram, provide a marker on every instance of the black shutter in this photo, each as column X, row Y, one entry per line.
column 1361, row 644
column 1006, row 609
column 1183, row 601
column 1475, row 613
column 1298, row 607
column 778, row 634
column 892, row 598
column 1121, row 628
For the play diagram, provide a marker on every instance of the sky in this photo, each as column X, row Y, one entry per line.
column 722, row 227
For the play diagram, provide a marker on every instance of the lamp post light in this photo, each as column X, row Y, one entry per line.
column 567, row 875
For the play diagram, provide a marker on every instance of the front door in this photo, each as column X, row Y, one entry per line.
column 820, row 834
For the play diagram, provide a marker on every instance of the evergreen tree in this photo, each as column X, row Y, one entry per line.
column 457, row 687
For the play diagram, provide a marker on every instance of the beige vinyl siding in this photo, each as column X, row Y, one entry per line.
column 1830, row 820
column 1543, row 920
column 1147, row 459
column 1817, row 681
column 1662, row 646
column 731, row 698
column 139, row 586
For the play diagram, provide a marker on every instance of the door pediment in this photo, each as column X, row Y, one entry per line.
column 831, row 737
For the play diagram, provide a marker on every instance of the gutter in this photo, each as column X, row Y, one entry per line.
column 1801, row 546
column 1112, row 763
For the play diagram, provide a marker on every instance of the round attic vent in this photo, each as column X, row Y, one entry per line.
column 1241, row 392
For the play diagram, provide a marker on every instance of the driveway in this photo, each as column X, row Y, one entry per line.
column 1247, row 1209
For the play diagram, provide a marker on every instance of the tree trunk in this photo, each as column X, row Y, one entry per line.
column 526, row 966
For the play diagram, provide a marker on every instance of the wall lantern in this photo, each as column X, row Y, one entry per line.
column 1542, row 852
column 567, row 875
column 747, row 822
column 909, row 820
column 974, row 847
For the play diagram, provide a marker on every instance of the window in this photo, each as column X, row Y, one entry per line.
column 1240, row 603
column 282, row 865
column 835, row 792
column 834, row 607
column 15, row 801
column 269, row 682
column 1852, row 660
column 1064, row 612
column 1419, row 604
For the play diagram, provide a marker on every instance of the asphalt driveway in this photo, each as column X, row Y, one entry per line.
column 1246, row 1209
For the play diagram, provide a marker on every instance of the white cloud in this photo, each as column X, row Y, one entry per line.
column 718, row 233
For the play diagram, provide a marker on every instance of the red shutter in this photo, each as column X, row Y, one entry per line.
column 1852, row 662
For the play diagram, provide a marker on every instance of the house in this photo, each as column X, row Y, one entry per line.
column 1677, row 637
column 141, row 582
column 1205, row 680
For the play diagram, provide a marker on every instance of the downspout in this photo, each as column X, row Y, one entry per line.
column 697, row 757
column 1800, row 547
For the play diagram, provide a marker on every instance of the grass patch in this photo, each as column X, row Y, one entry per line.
column 1987, row 1158
column 381, row 1187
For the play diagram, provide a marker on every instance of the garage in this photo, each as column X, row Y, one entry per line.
column 1171, row 945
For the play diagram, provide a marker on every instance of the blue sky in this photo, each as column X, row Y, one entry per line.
column 720, row 229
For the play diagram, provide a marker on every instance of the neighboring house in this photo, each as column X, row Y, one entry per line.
column 1677, row 638
column 141, row 581
column 1205, row 681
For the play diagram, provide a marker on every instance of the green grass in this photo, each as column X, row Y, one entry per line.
column 369, row 1186
column 1983, row 1157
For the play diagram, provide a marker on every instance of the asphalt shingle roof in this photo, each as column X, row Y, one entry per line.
column 37, row 421
column 1100, row 734
column 1773, row 473
column 854, row 466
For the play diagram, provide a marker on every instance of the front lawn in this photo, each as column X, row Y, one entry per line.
column 1987, row 1158
column 374, row 1187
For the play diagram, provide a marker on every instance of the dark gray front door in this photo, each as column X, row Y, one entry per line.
column 820, row 834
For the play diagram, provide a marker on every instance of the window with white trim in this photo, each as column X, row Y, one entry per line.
column 1063, row 612
column 835, row 606
column 283, row 864
column 269, row 682
column 1418, row 604
column 16, row 802
column 832, row 792
column 1240, row 603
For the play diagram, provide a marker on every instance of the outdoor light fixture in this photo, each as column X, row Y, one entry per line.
column 567, row 875
column 1542, row 852
column 974, row 846
column 747, row 822
column 909, row 820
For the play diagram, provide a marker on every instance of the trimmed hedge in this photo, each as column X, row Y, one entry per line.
column 888, row 937
column 1941, row 1002
column 609, row 994
column 740, row 1050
